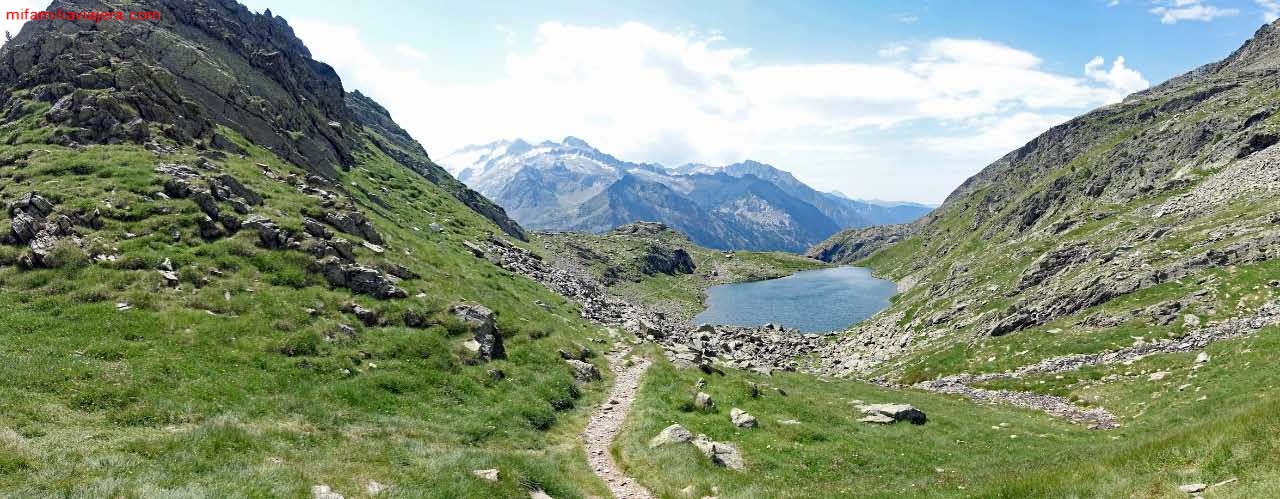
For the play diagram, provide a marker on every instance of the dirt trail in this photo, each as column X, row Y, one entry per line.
column 607, row 421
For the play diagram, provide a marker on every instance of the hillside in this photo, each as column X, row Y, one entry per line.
column 571, row 186
column 651, row 264
column 222, row 275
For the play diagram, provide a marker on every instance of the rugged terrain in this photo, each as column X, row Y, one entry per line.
column 651, row 264
column 750, row 205
column 222, row 275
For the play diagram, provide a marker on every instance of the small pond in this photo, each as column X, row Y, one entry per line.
column 830, row 299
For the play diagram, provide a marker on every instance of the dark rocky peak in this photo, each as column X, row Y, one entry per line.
column 646, row 229
column 205, row 63
column 1261, row 52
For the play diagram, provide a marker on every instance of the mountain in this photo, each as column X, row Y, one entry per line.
column 572, row 186
column 1136, row 214
column 238, row 279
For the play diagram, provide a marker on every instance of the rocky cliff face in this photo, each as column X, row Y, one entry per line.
column 205, row 64
column 1164, row 187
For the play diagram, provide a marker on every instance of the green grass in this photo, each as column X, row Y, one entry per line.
column 1165, row 441
column 230, row 388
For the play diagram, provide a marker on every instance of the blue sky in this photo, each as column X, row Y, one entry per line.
column 890, row 100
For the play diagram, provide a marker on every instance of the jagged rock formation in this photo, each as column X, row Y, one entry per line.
column 205, row 64
column 851, row 245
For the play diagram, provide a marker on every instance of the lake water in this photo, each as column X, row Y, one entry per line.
column 812, row 301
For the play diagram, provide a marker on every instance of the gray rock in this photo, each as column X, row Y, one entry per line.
column 584, row 371
column 324, row 492
column 742, row 419
column 895, row 412
column 721, row 454
column 489, row 474
column 354, row 223
column 702, row 402
column 1193, row 488
column 673, row 434
column 484, row 328
column 358, row 278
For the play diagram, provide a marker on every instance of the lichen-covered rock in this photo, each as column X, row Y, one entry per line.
column 720, row 453
column 484, row 328
column 583, row 371
column 673, row 434
column 358, row 278
column 354, row 223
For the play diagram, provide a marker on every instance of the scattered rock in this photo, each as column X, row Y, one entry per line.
column 538, row 494
column 673, row 434
column 354, row 223
column 1193, row 488
column 358, row 278
column 1157, row 376
column 742, row 419
column 1202, row 358
column 375, row 488
column 489, row 474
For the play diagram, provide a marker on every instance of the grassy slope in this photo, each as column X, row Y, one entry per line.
column 1220, row 427
column 188, row 394
column 683, row 294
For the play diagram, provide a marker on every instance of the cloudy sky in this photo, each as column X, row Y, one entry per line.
column 889, row 100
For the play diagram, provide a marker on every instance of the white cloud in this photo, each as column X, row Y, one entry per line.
column 1270, row 9
column 908, row 18
column 508, row 33
column 1113, row 3
column 892, row 50
column 1119, row 77
column 648, row 95
column 1172, row 11
column 407, row 51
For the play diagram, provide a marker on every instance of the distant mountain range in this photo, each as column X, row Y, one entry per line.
column 572, row 186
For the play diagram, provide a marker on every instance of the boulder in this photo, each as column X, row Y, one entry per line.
column 891, row 413
column 702, row 402
column 584, row 371
column 742, row 419
column 358, row 278
column 485, row 330
column 354, row 223
column 674, row 434
column 720, row 454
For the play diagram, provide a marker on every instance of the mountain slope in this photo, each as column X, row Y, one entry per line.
column 573, row 186
column 1126, row 204
column 228, row 296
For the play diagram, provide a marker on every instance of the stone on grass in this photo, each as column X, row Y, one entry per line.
column 323, row 491
column 583, row 371
column 481, row 322
column 538, row 494
column 673, row 434
column 703, row 402
column 1193, row 488
column 877, row 413
column 1202, row 358
column 489, row 474
column 375, row 488
column 720, row 453
column 742, row 419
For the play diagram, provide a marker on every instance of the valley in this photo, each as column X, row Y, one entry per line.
column 224, row 272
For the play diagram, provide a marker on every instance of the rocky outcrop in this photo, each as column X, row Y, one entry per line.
column 663, row 260
column 851, row 245
column 204, row 63
column 358, row 278
column 484, row 329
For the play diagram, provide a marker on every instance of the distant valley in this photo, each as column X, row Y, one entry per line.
column 572, row 186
